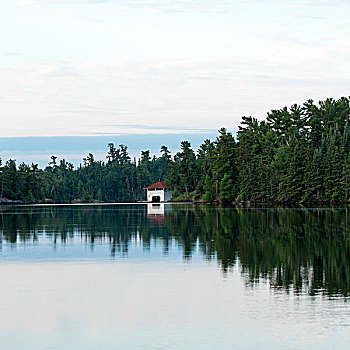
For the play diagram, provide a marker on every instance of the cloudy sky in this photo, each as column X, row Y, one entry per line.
column 102, row 67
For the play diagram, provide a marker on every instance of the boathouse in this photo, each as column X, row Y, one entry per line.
column 159, row 192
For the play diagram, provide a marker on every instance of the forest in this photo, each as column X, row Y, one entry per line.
column 299, row 154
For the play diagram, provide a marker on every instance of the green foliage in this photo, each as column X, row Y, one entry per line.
column 209, row 189
column 175, row 193
column 184, row 170
column 226, row 186
column 300, row 154
column 118, row 179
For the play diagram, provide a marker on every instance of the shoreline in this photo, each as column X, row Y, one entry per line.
column 247, row 204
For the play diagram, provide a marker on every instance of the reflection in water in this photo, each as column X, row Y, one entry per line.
column 155, row 212
column 304, row 250
column 157, row 209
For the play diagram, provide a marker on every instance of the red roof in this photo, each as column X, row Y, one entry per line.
column 159, row 186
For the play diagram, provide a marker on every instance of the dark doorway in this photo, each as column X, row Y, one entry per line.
column 155, row 199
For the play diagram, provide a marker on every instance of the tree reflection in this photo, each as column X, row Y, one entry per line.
column 303, row 250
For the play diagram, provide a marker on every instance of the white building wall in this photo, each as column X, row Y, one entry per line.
column 151, row 193
column 165, row 195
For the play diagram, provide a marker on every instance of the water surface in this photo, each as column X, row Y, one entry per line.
column 173, row 277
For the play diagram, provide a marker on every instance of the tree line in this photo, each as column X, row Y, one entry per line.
column 118, row 179
column 297, row 154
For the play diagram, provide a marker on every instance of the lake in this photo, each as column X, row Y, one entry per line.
column 174, row 276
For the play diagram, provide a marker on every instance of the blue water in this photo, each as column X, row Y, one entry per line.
column 123, row 277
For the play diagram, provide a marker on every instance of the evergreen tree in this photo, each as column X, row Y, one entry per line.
column 298, row 154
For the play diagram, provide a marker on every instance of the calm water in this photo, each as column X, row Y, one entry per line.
column 174, row 277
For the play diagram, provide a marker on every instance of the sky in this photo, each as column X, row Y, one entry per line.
column 120, row 67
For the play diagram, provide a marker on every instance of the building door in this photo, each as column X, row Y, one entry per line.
column 155, row 199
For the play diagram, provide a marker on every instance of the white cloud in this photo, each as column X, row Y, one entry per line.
column 57, row 98
column 164, row 5
column 156, row 6
column 8, row 53
column 185, row 4
column 183, row 71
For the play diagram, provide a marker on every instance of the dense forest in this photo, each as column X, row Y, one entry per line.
column 298, row 154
